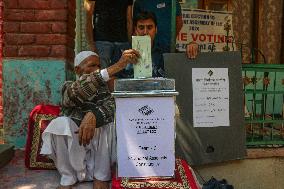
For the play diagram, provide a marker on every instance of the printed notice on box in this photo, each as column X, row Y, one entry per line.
column 145, row 137
column 210, row 97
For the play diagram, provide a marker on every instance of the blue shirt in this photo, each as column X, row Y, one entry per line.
column 158, row 62
column 162, row 10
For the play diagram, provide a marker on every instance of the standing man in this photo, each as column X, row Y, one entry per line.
column 145, row 23
column 108, row 28
column 163, row 11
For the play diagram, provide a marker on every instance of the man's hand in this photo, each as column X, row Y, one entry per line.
column 87, row 129
column 129, row 56
column 192, row 50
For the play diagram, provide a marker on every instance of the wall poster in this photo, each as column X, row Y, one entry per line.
column 209, row 29
column 210, row 88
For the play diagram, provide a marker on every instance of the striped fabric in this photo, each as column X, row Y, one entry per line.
column 88, row 94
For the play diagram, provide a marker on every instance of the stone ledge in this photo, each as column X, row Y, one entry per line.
column 264, row 153
column 6, row 154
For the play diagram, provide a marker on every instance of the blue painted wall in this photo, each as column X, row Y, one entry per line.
column 27, row 83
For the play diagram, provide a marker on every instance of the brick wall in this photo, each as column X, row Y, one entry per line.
column 71, row 24
column 39, row 29
column 1, row 55
column 39, row 47
column 282, row 42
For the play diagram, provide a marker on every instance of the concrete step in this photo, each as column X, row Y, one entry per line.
column 6, row 154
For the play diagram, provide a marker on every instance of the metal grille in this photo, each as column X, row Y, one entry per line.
column 264, row 93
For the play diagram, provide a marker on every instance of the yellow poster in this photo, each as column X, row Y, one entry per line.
column 211, row 30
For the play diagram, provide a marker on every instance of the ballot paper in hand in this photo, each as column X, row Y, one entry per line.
column 143, row 69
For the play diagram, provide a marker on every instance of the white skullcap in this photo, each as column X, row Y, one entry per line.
column 81, row 56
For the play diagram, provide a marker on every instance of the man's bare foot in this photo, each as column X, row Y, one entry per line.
column 98, row 184
column 64, row 187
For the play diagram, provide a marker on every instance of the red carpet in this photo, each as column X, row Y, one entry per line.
column 184, row 179
column 39, row 118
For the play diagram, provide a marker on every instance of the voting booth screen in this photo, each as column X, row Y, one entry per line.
column 210, row 127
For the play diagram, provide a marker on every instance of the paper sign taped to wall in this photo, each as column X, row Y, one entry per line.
column 210, row 88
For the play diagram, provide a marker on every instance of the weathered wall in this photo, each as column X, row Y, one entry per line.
column 26, row 84
column 270, row 30
column 242, row 25
column 70, row 35
column 81, row 41
column 38, row 54
column 1, row 83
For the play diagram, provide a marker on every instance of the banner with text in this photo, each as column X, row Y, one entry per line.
column 211, row 30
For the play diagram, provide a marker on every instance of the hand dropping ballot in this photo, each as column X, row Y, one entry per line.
column 144, row 67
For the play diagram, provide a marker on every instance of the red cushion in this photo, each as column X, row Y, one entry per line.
column 39, row 118
column 184, row 179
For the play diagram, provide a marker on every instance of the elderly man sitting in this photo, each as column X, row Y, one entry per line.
column 80, row 142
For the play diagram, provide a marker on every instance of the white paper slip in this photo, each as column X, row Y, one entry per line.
column 143, row 69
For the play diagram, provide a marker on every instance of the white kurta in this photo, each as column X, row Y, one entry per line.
column 75, row 162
